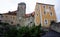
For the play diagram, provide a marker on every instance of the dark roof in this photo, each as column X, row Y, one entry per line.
column 15, row 13
column 22, row 3
column 45, row 4
column 10, row 13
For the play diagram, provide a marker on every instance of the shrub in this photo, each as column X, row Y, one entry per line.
column 33, row 31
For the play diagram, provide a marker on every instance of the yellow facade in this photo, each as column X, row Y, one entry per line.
column 44, row 14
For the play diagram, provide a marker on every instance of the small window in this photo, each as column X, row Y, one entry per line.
column 30, row 22
column 50, row 13
column 45, row 21
column 6, row 16
column 37, row 8
column 44, row 9
column 11, row 22
column 18, row 24
column 50, row 7
column 1, row 16
column 13, row 17
column 43, row 6
column 44, row 12
column 37, row 14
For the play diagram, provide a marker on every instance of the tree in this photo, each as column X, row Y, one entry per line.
column 26, row 31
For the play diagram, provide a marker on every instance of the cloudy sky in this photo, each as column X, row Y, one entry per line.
column 11, row 5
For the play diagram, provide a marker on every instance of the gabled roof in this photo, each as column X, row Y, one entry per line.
column 45, row 4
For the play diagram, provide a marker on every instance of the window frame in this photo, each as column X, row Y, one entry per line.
column 45, row 21
column 44, row 6
column 49, row 7
column 51, row 14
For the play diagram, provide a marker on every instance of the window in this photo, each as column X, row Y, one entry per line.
column 13, row 17
column 44, row 9
column 37, row 8
column 0, row 20
column 43, row 6
column 11, row 22
column 50, row 7
column 30, row 22
column 37, row 14
column 51, row 14
column 45, row 21
column 6, row 16
column 1, row 16
column 44, row 12
column 18, row 24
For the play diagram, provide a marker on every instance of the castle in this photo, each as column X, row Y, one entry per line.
column 43, row 14
column 18, row 17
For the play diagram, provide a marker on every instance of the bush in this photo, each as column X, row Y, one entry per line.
column 33, row 31
column 18, row 31
column 4, row 24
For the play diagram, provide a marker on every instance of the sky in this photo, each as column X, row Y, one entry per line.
column 11, row 5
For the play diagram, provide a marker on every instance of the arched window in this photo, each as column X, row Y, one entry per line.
column 51, row 14
column 45, row 21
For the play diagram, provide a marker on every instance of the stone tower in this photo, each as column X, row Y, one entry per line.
column 21, row 9
column 21, row 12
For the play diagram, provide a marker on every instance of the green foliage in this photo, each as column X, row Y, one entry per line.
column 4, row 24
column 33, row 31
column 12, row 32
